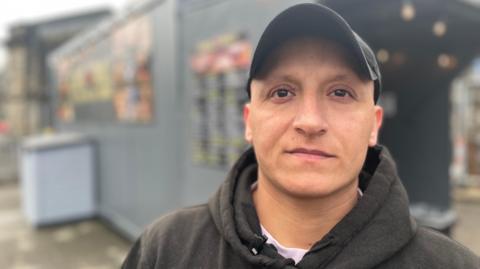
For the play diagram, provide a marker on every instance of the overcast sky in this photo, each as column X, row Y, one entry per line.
column 17, row 11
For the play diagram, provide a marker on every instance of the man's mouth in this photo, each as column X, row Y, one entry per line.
column 310, row 153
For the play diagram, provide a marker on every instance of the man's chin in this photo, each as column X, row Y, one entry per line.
column 309, row 194
column 308, row 189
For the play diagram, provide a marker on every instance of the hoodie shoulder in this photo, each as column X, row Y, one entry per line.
column 431, row 249
column 171, row 237
column 178, row 220
column 445, row 251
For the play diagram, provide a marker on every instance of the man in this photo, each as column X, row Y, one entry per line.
column 315, row 190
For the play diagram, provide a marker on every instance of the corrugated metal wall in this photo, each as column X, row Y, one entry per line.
column 139, row 166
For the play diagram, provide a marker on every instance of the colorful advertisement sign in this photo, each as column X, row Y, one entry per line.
column 111, row 76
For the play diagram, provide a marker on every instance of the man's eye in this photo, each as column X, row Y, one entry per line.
column 341, row 93
column 281, row 93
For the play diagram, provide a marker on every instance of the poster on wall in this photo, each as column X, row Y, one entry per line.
column 132, row 57
column 109, row 79
column 86, row 83
column 220, row 68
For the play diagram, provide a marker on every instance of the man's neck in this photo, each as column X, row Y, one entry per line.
column 300, row 223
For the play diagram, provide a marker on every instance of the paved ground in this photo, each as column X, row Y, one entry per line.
column 91, row 245
column 467, row 206
column 467, row 230
column 81, row 245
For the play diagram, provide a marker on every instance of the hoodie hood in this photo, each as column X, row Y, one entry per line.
column 374, row 230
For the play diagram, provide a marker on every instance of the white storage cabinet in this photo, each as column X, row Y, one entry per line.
column 57, row 178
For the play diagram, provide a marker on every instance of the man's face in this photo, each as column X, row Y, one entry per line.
column 311, row 120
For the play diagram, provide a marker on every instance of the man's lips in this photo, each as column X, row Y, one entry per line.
column 311, row 153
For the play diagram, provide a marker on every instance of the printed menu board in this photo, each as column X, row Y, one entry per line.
column 220, row 69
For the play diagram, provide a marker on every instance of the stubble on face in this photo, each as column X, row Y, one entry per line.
column 311, row 120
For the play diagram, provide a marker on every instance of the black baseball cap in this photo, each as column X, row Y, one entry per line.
column 305, row 20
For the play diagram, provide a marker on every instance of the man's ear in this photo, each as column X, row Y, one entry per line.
column 377, row 124
column 246, row 120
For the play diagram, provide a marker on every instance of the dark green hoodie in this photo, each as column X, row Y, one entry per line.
column 377, row 233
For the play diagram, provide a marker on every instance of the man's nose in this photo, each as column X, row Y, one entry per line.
column 311, row 116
